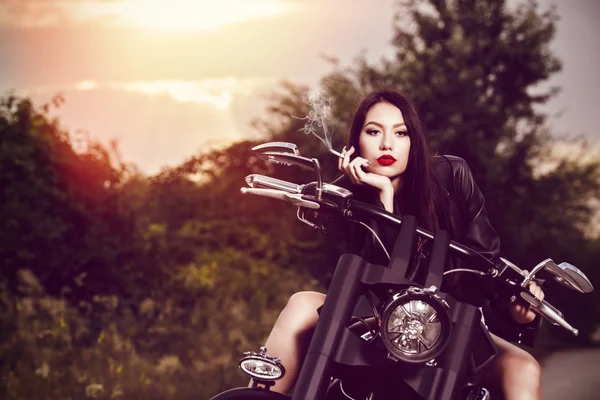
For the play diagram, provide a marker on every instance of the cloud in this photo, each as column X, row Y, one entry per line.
column 35, row 14
column 160, row 123
column 218, row 93
column 287, row 47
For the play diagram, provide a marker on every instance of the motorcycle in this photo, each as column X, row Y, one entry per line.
column 414, row 341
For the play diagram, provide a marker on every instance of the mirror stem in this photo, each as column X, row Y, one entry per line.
column 317, row 168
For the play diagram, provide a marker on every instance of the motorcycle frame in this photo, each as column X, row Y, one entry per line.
column 335, row 351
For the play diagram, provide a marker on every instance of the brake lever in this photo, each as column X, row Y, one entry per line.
column 527, row 278
column 548, row 312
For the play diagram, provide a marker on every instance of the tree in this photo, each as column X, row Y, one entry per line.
column 107, row 276
column 474, row 69
column 56, row 203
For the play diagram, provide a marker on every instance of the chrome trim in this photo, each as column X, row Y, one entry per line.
column 512, row 266
column 337, row 191
column 405, row 334
column 277, row 146
column 535, row 270
column 295, row 199
column 546, row 310
column 451, row 271
column 262, row 356
column 583, row 283
column 266, row 182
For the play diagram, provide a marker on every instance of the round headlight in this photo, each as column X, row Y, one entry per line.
column 415, row 325
column 261, row 366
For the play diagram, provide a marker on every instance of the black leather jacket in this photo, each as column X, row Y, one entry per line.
column 476, row 232
column 456, row 178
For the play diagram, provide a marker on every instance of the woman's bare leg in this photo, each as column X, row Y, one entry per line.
column 515, row 372
column 291, row 335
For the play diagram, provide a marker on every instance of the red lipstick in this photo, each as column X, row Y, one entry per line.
column 386, row 160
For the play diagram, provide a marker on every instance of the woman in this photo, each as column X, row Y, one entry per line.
column 387, row 162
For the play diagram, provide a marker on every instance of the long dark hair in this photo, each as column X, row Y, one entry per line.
column 421, row 192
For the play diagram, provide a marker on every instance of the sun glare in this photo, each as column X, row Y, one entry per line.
column 166, row 15
column 186, row 15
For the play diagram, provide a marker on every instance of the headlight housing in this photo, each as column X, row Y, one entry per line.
column 262, row 367
column 415, row 325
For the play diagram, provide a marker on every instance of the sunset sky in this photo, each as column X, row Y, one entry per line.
column 166, row 77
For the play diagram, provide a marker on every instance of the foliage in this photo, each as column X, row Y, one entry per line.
column 118, row 285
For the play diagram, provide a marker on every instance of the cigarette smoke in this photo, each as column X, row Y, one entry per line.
column 316, row 120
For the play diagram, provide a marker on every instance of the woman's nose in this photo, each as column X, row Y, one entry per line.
column 386, row 143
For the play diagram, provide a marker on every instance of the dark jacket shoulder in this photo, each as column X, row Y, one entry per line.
column 455, row 176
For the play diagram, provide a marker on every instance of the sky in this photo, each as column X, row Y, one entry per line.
column 165, row 78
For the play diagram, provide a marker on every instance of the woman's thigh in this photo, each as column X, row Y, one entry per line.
column 513, row 367
column 300, row 312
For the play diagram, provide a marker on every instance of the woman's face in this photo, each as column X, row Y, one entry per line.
column 384, row 141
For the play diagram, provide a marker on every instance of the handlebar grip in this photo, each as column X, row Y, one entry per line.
column 266, row 182
column 295, row 199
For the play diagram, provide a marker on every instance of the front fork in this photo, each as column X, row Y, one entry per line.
column 335, row 316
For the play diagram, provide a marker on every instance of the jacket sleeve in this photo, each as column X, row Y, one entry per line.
column 482, row 237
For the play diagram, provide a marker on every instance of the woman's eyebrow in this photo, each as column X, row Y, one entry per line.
column 398, row 125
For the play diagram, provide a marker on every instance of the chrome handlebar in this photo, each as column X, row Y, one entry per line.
column 295, row 199
column 563, row 273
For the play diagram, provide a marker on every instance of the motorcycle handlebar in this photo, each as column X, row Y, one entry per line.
column 283, row 190
column 385, row 216
column 289, row 192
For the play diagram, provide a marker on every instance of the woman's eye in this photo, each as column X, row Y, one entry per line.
column 401, row 133
column 372, row 131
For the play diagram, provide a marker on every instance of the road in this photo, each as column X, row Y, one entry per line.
column 572, row 375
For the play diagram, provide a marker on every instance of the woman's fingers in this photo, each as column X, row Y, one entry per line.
column 536, row 291
column 346, row 159
column 341, row 159
column 522, row 313
column 357, row 169
column 344, row 165
column 353, row 168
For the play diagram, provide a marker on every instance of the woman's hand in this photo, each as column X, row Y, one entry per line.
column 354, row 171
column 520, row 312
column 358, row 176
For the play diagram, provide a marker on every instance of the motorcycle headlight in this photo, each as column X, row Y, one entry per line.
column 261, row 366
column 415, row 325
